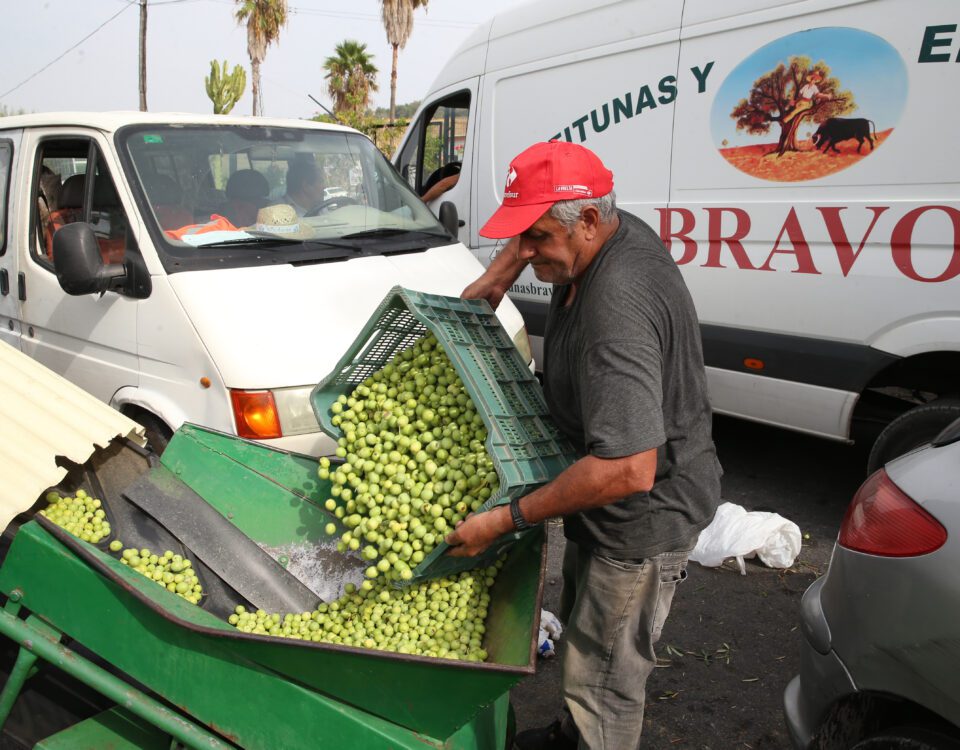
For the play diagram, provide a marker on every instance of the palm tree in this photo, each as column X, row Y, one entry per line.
column 351, row 76
column 264, row 19
column 397, row 18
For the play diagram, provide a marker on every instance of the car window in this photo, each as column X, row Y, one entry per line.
column 435, row 150
column 409, row 158
column 206, row 186
column 6, row 160
column 73, row 184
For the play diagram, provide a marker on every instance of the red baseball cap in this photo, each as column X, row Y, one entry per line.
column 539, row 177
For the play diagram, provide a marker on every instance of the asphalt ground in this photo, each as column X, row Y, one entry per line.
column 732, row 641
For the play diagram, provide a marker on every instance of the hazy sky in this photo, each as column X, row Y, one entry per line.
column 183, row 36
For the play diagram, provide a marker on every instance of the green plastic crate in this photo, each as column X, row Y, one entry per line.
column 527, row 448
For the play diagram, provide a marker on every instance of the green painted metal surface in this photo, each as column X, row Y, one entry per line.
column 115, row 729
column 260, row 691
column 224, row 681
column 273, row 497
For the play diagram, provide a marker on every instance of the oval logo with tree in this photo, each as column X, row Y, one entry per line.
column 809, row 104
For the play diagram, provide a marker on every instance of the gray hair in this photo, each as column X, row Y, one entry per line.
column 568, row 212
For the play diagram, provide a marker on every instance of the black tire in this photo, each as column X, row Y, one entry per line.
column 909, row 738
column 912, row 429
column 158, row 434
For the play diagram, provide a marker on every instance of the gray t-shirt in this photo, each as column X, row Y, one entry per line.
column 623, row 373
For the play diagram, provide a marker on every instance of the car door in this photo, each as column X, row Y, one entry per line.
column 438, row 150
column 89, row 339
column 9, row 307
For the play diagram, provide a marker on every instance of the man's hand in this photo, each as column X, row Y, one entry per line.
column 478, row 531
column 485, row 288
column 504, row 269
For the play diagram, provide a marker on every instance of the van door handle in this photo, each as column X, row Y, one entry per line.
column 4, row 282
column 22, row 286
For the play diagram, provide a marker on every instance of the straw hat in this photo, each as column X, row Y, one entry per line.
column 282, row 220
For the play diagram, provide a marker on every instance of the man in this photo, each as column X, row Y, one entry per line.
column 624, row 380
column 304, row 186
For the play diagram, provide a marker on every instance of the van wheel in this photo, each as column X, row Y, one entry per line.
column 912, row 429
column 909, row 738
column 158, row 434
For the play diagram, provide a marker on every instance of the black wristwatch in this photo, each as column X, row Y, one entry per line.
column 519, row 522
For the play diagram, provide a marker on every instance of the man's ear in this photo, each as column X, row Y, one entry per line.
column 590, row 216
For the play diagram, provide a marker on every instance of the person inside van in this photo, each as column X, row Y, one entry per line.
column 304, row 186
column 440, row 182
column 247, row 191
column 48, row 201
column 624, row 380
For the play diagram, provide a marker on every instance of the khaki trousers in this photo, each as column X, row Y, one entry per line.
column 613, row 613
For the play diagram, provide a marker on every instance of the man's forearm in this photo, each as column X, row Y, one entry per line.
column 498, row 276
column 590, row 483
column 507, row 266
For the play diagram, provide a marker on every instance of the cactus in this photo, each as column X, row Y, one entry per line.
column 225, row 89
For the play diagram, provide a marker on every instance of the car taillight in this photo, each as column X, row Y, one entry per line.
column 255, row 413
column 883, row 520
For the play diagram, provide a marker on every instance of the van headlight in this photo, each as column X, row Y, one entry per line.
column 268, row 414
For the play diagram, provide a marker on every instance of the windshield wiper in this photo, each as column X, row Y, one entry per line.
column 391, row 232
column 256, row 240
column 268, row 240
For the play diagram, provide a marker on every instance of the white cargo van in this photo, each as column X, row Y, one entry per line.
column 195, row 289
column 798, row 160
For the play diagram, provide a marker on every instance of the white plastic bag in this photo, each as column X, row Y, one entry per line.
column 550, row 630
column 736, row 532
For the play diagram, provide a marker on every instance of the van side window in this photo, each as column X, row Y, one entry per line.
column 435, row 151
column 409, row 157
column 6, row 160
column 63, row 194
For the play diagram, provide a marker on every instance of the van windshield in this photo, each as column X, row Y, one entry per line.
column 213, row 192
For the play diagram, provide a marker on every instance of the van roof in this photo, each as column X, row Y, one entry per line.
column 112, row 121
column 543, row 29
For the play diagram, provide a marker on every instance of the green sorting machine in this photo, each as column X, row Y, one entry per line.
column 177, row 670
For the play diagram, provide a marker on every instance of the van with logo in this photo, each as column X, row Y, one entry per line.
column 796, row 158
column 193, row 268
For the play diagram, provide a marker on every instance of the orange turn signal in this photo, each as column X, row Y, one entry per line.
column 753, row 364
column 255, row 413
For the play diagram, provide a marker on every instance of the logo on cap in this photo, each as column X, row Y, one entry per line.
column 582, row 189
column 511, row 176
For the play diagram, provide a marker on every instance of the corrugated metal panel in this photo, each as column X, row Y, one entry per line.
column 43, row 416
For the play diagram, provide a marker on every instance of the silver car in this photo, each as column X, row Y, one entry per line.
column 880, row 667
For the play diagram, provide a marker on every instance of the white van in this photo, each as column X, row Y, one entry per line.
column 798, row 160
column 196, row 290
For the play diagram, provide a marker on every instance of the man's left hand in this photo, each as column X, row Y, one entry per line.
column 478, row 531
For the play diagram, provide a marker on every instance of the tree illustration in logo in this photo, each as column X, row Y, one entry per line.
column 791, row 95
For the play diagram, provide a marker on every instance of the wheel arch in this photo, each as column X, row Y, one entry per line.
column 910, row 381
column 857, row 716
column 131, row 401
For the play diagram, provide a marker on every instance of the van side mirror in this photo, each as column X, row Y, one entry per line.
column 78, row 263
column 450, row 219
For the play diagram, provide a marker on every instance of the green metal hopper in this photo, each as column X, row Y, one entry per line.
column 182, row 671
